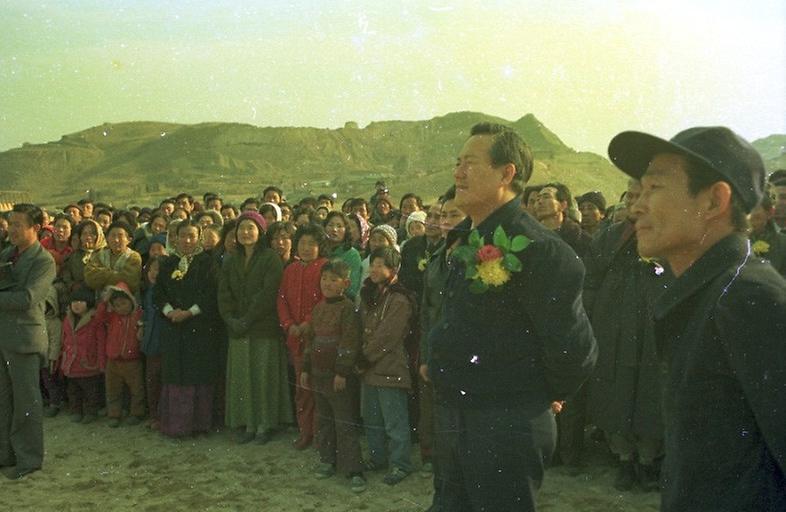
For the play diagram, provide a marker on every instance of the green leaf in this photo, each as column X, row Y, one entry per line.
column 471, row 272
column 475, row 239
column 465, row 253
column 501, row 239
column 519, row 243
column 478, row 287
column 512, row 263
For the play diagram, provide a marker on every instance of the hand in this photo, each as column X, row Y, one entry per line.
column 423, row 371
column 556, row 407
column 304, row 380
column 339, row 383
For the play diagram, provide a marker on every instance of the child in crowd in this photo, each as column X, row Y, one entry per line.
column 415, row 225
column 381, row 236
column 151, row 344
column 124, row 364
column 298, row 293
column 331, row 351
column 51, row 378
column 115, row 263
column 386, row 311
column 83, row 356
column 211, row 236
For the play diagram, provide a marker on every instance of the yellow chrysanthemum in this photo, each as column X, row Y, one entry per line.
column 178, row 274
column 760, row 247
column 493, row 273
column 422, row 263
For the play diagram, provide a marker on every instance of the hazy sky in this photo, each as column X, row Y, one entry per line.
column 587, row 69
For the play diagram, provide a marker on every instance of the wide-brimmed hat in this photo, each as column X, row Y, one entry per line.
column 714, row 147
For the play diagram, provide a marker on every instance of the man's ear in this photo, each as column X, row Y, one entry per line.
column 508, row 173
column 719, row 199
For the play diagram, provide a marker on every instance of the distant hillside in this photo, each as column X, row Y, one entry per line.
column 773, row 151
column 142, row 162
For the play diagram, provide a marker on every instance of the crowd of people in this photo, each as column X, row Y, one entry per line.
column 197, row 314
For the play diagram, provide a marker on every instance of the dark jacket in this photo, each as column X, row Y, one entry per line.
column 413, row 258
column 434, row 279
column 189, row 349
column 619, row 293
column 774, row 247
column 523, row 346
column 571, row 233
column 720, row 328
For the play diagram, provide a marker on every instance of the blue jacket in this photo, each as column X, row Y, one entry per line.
column 523, row 346
column 151, row 315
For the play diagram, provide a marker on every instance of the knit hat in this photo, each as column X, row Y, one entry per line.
column 388, row 231
column 258, row 219
column 419, row 216
column 85, row 295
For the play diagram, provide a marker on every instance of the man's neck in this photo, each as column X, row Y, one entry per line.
column 485, row 210
column 680, row 262
column 553, row 222
column 24, row 246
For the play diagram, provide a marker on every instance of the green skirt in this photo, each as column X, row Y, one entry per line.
column 257, row 389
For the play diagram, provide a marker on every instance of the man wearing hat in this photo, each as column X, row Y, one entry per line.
column 719, row 326
column 592, row 206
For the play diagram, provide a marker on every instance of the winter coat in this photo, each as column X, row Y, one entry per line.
column 153, row 320
column 298, row 293
column 720, row 331
column 619, row 293
column 414, row 256
column 775, row 241
column 387, row 322
column 84, row 350
column 571, row 233
column 434, row 279
column 523, row 346
column 105, row 268
column 121, row 330
column 333, row 339
column 351, row 257
column 189, row 349
column 58, row 255
column 247, row 293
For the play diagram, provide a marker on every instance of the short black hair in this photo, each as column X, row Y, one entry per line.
column 410, row 195
column 121, row 224
column 188, row 223
column 275, row 189
column 563, row 192
column 315, row 231
column 34, row 214
column 337, row 267
column 528, row 190
column 702, row 177
column 390, row 256
column 277, row 227
column 507, row 147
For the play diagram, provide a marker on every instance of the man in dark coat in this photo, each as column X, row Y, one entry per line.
column 624, row 390
column 719, row 327
column 509, row 342
column 26, row 275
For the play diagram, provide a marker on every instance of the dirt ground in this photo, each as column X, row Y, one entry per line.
column 93, row 467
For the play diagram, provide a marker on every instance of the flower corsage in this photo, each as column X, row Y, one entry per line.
column 489, row 266
column 178, row 274
column 760, row 247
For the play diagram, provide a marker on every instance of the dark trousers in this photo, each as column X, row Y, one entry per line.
column 54, row 386
column 490, row 459
column 21, row 411
column 130, row 374
column 84, row 395
column 426, row 420
column 570, row 425
column 338, row 431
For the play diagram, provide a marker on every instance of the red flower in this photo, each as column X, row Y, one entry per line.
column 488, row 253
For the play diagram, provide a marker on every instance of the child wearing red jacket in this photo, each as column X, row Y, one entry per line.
column 298, row 293
column 83, row 356
column 124, row 358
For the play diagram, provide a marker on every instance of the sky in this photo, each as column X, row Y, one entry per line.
column 587, row 69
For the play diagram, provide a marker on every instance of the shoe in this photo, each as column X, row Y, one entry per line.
column 17, row 473
column 50, row 411
column 395, row 476
column 370, row 465
column 649, row 477
column 113, row 423
column 133, row 421
column 76, row 418
column 324, row 470
column 626, row 476
column 264, row 437
column 301, row 443
column 88, row 418
column 357, row 484
column 245, row 437
column 427, row 469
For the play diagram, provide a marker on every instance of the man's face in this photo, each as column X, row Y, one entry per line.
column 228, row 213
column 408, row 206
column 21, row 232
column 185, row 204
column 87, row 210
column 158, row 225
column 449, row 216
column 548, row 205
column 477, row 180
column 759, row 217
column 668, row 220
column 532, row 203
column 168, row 208
column 779, row 201
column 75, row 213
column 117, row 240
column 214, row 204
column 432, row 222
column 104, row 221
column 631, row 196
column 590, row 215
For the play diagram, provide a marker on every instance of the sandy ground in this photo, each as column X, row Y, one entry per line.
column 93, row 467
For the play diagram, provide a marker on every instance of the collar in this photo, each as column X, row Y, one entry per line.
column 730, row 252
column 333, row 300
column 487, row 227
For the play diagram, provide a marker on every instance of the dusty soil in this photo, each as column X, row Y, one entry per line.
column 93, row 467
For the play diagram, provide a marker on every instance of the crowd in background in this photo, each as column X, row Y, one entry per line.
column 198, row 314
